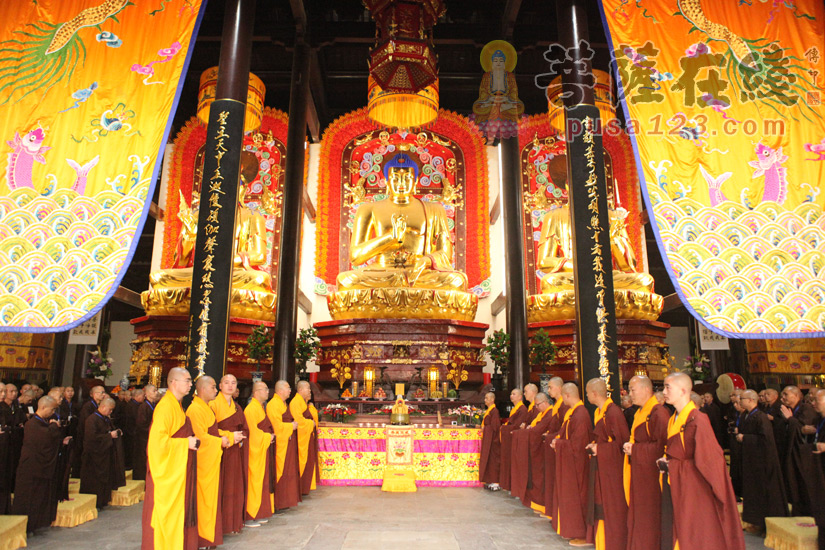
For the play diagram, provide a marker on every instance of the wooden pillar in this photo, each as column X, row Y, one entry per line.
column 597, row 345
column 515, row 280
column 289, row 263
column 212, row 270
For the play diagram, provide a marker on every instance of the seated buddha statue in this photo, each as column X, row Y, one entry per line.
column 635, row 297
column 252, row 295
column 401, row 251
column 250, row 250
column 401, row 241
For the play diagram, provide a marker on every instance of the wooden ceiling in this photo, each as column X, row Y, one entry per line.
column 340, row 34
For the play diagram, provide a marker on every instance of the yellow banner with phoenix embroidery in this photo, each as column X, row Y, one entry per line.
column 724, row 101
column 87, row 93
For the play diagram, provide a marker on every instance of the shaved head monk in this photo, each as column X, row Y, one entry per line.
column 96, row 395
column 763, row 486
column 801, row 422
column 232, row 425
column 5, row 453
column 34, row 495
column 611, row 433
column 307, row 436
column 143, row 422
column 700, row 491
column 490, row 462
column 286, row 468
column 534, row 436
column 101, row 471
column 572, row 470
column 210, row 451
column 518, row 416
column 259, row 490
column 641, row 475
column 558, row 411
column 169, row 509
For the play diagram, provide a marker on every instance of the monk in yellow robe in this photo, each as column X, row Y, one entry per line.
column 286, row 468
column 232, row 426
column 210, row 451
column 169, row 513
column 307, row 437
column 259, row 490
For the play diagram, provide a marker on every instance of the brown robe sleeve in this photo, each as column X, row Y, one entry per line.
column 644, row 515
column 763, row 488
column 513, row 422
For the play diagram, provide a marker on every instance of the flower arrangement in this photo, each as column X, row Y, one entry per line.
column 697, row 366
column 306, row 349
column 467, row 414
column 99, row 365
column 338, row 413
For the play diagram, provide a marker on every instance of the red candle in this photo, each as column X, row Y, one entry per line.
column 488, row 377
column 313, row 377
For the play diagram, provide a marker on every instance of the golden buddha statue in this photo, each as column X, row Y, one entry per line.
column 402, row 251
column 633, row 290
column 252, row 295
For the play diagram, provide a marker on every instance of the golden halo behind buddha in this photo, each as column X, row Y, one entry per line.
column 490, row 48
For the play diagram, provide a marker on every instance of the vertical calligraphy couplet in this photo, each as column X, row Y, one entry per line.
column 596, row 309
column 214, row 248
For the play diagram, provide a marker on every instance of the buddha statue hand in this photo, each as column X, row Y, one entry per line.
column 399, row 227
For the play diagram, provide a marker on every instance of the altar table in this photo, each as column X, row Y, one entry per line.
column 794, row 533
column 442, row 457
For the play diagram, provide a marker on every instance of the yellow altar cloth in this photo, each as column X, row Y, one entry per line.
column 797, row 533
column 79, row 509
column 129, row 494
column 13, row 532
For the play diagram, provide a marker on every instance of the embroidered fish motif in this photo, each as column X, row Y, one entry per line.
column 26, row 151
column 79, row 184
column 768, row 163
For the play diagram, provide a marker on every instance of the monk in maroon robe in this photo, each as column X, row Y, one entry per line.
column 6, row 480
column 286, row 469
column 96, row 395
column 143, row 423
column 648, row 434
column 800, row 424
column 559, row 410
column 528, row 456
column 235, row 459
column 763, row 489
column 572, row 470
column 490, row 444
column 101, row 471
column 35, row 494
column 704, row 513
column 607, row 514
column 517, row 419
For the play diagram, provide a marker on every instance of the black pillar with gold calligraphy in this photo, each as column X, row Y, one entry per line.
column 214, row 247
column 593, row 262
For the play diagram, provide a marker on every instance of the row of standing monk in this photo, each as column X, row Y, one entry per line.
column 215, row 468
column 663, row 483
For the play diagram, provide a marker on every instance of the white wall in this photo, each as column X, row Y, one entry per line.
column 120, row 350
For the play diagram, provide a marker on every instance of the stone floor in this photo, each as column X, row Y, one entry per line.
column 357, row 518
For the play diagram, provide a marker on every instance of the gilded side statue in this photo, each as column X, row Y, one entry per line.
column 401, row 251
column 252, row 295
column 633, row 289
